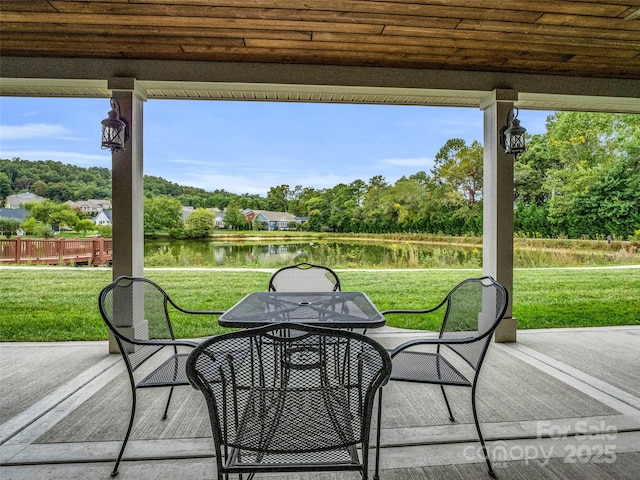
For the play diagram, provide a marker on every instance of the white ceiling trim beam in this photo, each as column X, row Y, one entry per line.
column 312, row 83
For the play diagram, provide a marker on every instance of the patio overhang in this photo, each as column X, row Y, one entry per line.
column 89, row 78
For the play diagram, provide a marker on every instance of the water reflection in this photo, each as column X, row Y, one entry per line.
column 350, row 254
column 346, row 254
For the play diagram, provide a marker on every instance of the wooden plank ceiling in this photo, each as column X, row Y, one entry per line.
column 585, row 38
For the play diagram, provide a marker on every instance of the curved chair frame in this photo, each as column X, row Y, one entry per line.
column 468, row 344
column 305, row 277
column 129, row 297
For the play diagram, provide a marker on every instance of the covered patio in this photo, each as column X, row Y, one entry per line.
column 556, row 405
column 555, row 55
column 538, row 397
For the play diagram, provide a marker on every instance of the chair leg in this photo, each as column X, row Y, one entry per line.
column 376, row 474
column 475, row 418
column 446, row 401
column 166, row 408
column 126, row 437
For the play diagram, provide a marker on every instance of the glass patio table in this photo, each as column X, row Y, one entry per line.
column 325, row 309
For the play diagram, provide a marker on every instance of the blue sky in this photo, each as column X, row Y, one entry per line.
column 248, row 147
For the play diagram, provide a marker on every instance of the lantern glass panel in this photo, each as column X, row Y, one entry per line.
column 113, row 130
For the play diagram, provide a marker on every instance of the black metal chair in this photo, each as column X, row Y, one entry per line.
column 137, row 311
column 282, row 399
column 304, row 277
column 472, row 311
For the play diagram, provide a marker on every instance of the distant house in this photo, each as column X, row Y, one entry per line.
column 186, row 211
column 91, row 207
column 218, row 220
column 103, row 218
column 17, row 201
column 17, row 213
column 272, row 220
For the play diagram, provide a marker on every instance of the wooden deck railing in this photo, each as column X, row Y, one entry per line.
column 59, row 251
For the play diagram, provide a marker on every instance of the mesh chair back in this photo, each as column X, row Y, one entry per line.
column 284, row 390
column 136, row 310
column 304, row 277
column 474, row 310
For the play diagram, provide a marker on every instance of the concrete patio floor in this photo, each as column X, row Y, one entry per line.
column 558, row 404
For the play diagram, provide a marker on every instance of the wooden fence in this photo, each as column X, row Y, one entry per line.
column 59, row 251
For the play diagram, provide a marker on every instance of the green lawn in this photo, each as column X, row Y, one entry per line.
column 39, row 304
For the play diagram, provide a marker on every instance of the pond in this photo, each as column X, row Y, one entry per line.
column 332, row 253
column 348, row 254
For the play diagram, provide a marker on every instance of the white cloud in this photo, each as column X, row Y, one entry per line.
column 34, row 130
column 420, row 162
column 75, row 158
column 257, row 184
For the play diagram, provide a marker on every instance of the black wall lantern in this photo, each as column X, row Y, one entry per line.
column 114, row 129
column 512, row 137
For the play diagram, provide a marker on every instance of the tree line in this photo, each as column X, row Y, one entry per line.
column 580, row 179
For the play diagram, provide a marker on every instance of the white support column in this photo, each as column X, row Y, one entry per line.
column 498, row 197
column 127, row 187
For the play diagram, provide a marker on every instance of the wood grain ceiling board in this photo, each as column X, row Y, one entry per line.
column 576, row 38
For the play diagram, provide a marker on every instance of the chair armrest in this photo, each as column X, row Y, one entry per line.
column 166, row 343
column 431, row 341
column 201, row 312
column 419, row 311
column 195, row 312
column 428, row 310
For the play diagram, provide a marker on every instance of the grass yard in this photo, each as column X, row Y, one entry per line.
column 60, row 304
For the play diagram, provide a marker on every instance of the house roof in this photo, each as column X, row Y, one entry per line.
column 436, row 52
column 107, row 213
column 95, row 203
column 17, row 213
column 24, row 197
column 276, row 216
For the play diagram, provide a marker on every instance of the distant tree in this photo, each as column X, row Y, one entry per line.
column 582, row 176
column 278, row 198
column 376, row 206
column 9, row 226
column 298, row 205
column 342, row 205
column 5, row 186
column 459, row 166
column 161, row 214
column 84, row 225
column 408, row 196
column 51, row 213
column 105, row 231
column 234, row 218
column 37, row 229
column 43, row 230
column 60, row 191
column 39, row 188
column 29, row 225
column 199, row 223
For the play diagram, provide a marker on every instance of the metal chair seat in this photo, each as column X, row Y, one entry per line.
column 170, row 373
column 426, row 367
